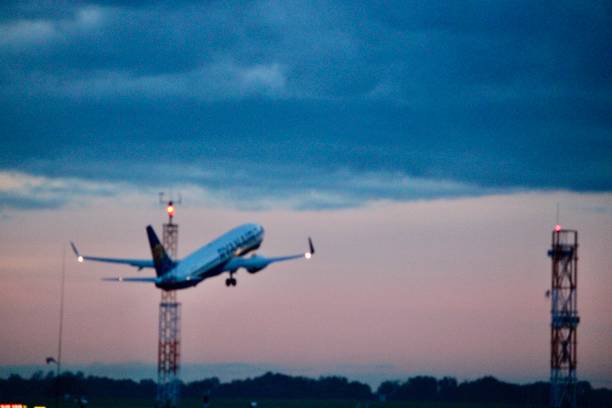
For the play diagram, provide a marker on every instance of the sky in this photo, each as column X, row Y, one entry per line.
column 423, row 145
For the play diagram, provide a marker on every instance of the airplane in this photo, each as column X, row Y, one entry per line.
column 227, row 253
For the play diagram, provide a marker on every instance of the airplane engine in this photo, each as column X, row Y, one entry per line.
column 256, row 264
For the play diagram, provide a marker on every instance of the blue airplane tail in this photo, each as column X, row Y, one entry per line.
column 162, row 262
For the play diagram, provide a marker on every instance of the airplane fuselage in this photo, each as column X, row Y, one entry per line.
column 213, row 258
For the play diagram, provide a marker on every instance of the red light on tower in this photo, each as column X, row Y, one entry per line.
column 557, row 228
column 170, row 209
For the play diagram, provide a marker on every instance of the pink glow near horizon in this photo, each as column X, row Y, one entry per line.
column 443, row 287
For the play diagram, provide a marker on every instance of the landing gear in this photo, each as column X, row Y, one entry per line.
column 231, row 281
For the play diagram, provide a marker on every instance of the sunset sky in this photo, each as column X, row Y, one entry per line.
column 424, row 146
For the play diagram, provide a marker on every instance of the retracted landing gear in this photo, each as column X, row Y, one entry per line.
column 231, row 281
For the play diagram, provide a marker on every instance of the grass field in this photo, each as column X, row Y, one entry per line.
column 242, row 403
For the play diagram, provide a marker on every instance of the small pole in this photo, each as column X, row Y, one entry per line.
column 61, row 329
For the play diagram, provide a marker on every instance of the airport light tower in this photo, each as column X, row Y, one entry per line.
column 169, row 356
column 564, row 318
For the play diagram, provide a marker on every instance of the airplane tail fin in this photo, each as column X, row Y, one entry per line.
column 162, row 262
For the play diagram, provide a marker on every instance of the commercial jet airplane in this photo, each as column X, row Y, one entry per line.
column 224, row 254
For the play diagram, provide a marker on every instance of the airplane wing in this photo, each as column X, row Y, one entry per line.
column 138, row 263
column 257, row 263
column 137, row 279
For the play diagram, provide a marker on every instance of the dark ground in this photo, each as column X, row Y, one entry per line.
column 243, row 403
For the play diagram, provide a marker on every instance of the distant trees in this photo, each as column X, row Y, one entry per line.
column 280, row 386
column 200, row 388
column 286, row 387
column 41, row 385
column 485, row 390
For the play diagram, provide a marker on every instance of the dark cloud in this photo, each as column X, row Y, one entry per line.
column 281, row 95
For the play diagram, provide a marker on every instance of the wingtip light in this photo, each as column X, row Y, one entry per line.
column 311, row 251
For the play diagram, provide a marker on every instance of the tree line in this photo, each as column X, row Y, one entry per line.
column 280, row 386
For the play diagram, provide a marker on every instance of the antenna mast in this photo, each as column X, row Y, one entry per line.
column 564, row 317
column 168, row 358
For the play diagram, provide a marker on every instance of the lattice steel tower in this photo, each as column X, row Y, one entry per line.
column 564, row 318
column 169, row 350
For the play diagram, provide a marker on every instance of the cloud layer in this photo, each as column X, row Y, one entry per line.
column 296, row 99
